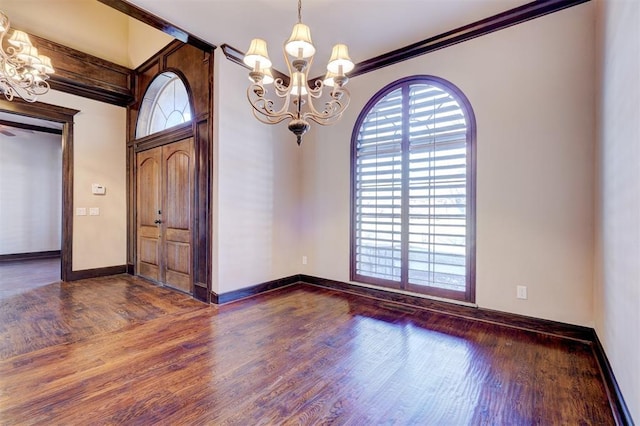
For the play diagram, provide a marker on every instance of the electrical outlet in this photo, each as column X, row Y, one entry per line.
column 521, row 292
column 304, row 260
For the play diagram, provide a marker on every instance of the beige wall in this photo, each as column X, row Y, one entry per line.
column 532, row 90
column 99, row 157
column 88, row 26
column 617, row 261
column 256, row 190
column 144, row 42
column 30, row 192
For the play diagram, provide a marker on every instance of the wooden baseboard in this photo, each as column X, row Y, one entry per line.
column 253, row 290
column 616, row 400
column 567, row 331
column 29, row 256
column 97, row 272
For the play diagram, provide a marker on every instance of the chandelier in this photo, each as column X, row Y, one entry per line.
column 23, row 72
column 297, row 96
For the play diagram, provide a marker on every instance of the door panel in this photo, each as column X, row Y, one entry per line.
column 178, row 186
column 178, row 265
column 177, row 220
column 148, row 203
column 165, row 214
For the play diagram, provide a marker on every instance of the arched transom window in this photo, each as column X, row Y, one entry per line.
column 165, row 104
column 413, row 190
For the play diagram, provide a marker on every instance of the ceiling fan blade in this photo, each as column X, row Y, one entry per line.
column 7, row 133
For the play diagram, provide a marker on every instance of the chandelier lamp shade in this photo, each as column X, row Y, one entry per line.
column 23, row 72
column 296, row 95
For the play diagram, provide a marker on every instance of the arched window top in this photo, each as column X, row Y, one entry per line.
column 420, row 94
column 413, row 190
column 164, row 105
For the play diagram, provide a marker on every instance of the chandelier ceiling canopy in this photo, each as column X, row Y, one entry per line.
column 296, row 95
column 23, row 72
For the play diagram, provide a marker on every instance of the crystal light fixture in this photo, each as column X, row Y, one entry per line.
column 23, row 72
column 296, row 94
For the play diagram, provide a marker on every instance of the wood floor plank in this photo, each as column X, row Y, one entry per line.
column 119, row 350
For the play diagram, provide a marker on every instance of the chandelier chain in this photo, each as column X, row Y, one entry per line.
column 299, row 11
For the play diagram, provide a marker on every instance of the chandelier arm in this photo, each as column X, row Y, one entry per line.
column 20, row 77
column 333, row 108
column 256, row 95
column 324, row 121
column 264, row 106
column 281, row 90
column 267, row 119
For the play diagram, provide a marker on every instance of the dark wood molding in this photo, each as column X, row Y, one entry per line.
column 31, row 127
column 97, row 272
column 158, row 23
column 64, row 116
column 152, row 141
column 254, row 290
column 479, row 28
column 616, row 400
column 554, row 328
column 195, row 68
column 521, row 322
column 30, row 255
column 130, row 269
column 85, row 75
column 38, row 110
column 234, row 55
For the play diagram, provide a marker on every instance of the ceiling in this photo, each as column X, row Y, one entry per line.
column 368, row 27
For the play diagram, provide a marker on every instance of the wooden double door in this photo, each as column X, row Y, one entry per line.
column 165, row 195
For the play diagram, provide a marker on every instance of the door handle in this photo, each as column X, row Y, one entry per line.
column 158, row 221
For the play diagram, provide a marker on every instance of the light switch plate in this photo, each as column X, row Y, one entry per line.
column 521, row 292
column 98, row 189
column 94, row 211
column 81, row 211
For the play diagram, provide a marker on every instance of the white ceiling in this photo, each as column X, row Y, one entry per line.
column 368, row 27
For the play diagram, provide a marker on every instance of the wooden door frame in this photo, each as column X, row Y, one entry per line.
column 158, row 140
column 65, row 116
column 194, row 66
column 163, row 138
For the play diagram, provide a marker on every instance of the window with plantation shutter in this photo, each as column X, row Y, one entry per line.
column 413, row 190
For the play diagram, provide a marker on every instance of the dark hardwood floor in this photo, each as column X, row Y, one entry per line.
column 18, row 276
column 119, row 350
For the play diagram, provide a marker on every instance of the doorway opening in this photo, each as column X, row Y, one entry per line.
column 61, row 119
column 30, row 203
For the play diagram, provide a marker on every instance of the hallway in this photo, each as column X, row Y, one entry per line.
column 19, row 276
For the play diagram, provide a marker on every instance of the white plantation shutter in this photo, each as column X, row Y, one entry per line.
column 379, row 191
column 411, row 180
